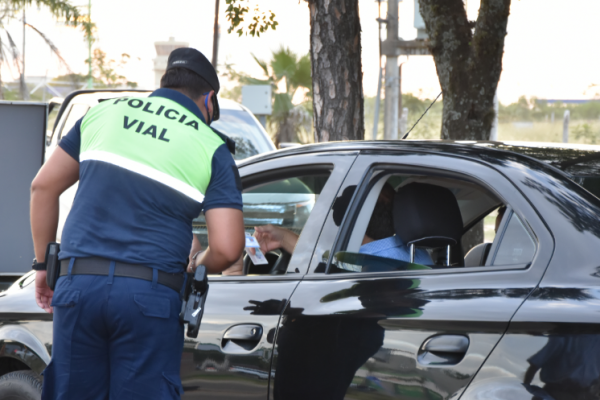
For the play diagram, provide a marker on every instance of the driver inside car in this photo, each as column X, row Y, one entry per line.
column 379, row 239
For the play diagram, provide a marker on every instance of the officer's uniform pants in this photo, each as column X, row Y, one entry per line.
column 114, row 338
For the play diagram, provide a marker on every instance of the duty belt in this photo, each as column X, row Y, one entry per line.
column 101, row 266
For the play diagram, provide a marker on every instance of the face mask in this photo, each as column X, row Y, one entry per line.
column 206, row 107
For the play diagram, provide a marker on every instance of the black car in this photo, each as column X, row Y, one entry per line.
column 507, row 307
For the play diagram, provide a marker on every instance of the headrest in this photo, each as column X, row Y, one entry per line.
column 341, row 204
column 427, row 215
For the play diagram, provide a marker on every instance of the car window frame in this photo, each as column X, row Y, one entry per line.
column 506, row 218
column 272, row 169
column 375, row 174
column 413, row 163
column 60, row 133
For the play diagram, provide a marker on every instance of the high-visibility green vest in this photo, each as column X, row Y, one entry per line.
column 154, row 137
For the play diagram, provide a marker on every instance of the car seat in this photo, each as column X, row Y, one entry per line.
column 477, row 256
column 428, row 216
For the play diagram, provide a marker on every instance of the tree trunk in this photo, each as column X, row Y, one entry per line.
column 336, row 70
column 468, row 62
column 287, row 133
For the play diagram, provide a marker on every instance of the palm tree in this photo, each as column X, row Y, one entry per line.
column 9, row 11
column 285, row 70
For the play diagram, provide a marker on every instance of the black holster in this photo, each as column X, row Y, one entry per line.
column 192, row 308
column 52, row 264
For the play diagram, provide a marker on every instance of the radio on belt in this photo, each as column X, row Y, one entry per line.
column 192, row 309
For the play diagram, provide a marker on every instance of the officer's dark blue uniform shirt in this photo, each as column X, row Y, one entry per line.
column 127, row 217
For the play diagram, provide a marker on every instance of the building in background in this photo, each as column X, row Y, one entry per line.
column 163, row 49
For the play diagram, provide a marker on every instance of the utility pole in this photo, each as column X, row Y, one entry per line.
column 90, row 79
column 400, row 101
column 215, row 54
column 393, row 47
column 390, row 131
column 23, row 84
column 380, row 75
column 566, row 119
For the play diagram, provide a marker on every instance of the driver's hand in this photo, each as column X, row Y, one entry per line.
column 271, row 237
column 237, row 268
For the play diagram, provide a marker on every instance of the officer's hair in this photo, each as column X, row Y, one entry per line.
column 186, row 81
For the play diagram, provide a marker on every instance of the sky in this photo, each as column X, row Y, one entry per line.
column 549, row 50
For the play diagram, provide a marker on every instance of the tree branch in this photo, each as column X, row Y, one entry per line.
column 58, row 8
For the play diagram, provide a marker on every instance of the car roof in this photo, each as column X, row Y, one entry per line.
column 573, row 159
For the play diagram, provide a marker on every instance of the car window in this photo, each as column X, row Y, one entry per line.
column 249, row 137
column 517, row 245
column 408, row 222
column 285, row 203
column 76, row 112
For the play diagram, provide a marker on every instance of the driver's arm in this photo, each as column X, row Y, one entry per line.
column 272, row 237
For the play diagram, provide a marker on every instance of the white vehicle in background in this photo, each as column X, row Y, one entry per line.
column 235, row 121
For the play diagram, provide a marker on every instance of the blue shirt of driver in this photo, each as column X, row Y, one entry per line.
column 392, row 247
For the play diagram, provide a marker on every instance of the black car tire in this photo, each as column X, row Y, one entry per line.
column 21, row 385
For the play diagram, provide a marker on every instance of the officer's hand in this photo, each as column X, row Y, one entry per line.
column 43, row 294
column 196, row 247
column 236, row 269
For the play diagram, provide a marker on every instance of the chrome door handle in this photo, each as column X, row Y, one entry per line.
column 443, row 350
column 243, row 332
column 240, row 339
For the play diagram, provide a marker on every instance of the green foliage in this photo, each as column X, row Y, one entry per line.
column 260, row 22
column 58, row 8
column 586, row 133
column 88, row 28
column 286, row 69
column 77, row 79
column 105, row 70
column 10, row 10
column 585, row 120
column 428, row 128
column 535, row 110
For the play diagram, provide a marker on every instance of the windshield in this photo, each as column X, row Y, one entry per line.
column 249, row 137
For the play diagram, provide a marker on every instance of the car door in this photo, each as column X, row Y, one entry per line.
column 231, row 358
column 413, row 332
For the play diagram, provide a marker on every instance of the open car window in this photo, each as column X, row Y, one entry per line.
column 409, row 222
column 284, row 203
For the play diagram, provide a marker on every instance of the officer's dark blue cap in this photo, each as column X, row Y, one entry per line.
column 192, row 59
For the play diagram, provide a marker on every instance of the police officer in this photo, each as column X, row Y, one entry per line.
column 146, row 167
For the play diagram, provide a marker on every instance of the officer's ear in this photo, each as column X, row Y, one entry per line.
column 209, row 104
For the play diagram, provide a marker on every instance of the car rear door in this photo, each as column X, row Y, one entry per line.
column 419, row 334
column 231, row 358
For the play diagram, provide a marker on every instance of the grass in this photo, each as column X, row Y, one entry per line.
column 580, row 131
